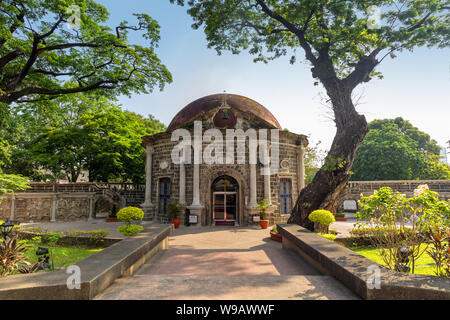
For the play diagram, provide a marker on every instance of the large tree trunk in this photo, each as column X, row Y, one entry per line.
column 331, row 179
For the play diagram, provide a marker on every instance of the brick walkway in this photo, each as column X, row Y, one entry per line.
column 225, row 263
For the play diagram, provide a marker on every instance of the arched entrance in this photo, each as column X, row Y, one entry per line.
column 225, row 202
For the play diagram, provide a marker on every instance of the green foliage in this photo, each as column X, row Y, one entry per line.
column 129, row 230
column 334, row 32
column 263, row 206
column 386, row 213
column 340, row 215
column 274, row 229
column 11, row 255
column 395, row 150
column 175, row 208
column 328, row 236
column 130, row 214
column 84, row 132
column 42, row 58
column 323, row 217
column 9, row 183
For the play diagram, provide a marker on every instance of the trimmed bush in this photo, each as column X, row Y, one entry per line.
column 130, row 214
column 323, row 217
column 328, row 236
column 130, row 229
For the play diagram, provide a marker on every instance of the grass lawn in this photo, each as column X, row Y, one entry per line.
column 62, row 256
column 424, row 265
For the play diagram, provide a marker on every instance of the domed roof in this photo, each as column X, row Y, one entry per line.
column 234, row 101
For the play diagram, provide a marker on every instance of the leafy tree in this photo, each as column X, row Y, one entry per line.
column 9, row 183
column 81, row 132
column 395, row 150
column 342, row 45
column 41, row 58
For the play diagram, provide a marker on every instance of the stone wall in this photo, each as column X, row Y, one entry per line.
column 354, row 189
column 58, row 202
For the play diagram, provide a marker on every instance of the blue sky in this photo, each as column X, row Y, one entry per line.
column 415, row 85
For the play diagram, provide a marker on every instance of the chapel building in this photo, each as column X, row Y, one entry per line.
column 207, row 160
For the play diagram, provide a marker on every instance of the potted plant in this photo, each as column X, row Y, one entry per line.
column 274, row 235
column 112, row 217
column 174, row 210
column 263, row 205
column 340, row 216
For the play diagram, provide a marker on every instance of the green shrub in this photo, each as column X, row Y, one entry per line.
column 130, row 229
column 263, row 206
column 130, row 214
column 174, row 208
column 328, row 236
column 323, row 217
column 274, row 229
column 340, row 215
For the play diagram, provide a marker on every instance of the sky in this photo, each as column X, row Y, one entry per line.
column 415, row 85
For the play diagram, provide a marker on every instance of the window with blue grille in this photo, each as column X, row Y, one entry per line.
column 285, row 196
column 164, row 196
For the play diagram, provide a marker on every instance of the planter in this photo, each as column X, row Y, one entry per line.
column 176, row 222
column 114, row 219
column 275, row 236
column 264, row 224
column 341, row 219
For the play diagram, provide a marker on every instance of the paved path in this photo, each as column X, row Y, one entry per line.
column 225, row 263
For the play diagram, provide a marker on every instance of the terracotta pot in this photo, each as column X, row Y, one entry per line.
column 113, row 219
column 341, row 219
column 176, row 222
column 275, row 236
column 264, row 224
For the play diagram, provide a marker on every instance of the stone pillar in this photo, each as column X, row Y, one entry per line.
column 196, row 208
column 54, row 208
column 13, row 207
column 182, row 195
column 300, row 168
column 252, row 200
column 266, row 172
column 148, row 206
column 196, row 186
column 267, row 190
column 91, row 209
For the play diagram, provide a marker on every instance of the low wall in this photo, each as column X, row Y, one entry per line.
column 354, row 189
column 351, row 269
column 98, row 271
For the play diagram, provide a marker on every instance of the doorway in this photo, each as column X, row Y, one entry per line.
column 225, row 209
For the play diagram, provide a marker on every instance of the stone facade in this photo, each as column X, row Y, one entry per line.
column 251, row 183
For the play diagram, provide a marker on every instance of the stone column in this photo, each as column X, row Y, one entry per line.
column 54, row 208
column 148, row 205
column 13, row 207
column 182, row 183
column 196, row 186
column 267, row 191
column 91, row 209
column 300, row 168
column 252, row 200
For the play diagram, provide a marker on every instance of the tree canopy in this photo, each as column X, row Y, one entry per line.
column 52, row 48
column 83, row 132
column 396, row 150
